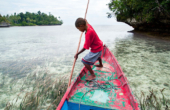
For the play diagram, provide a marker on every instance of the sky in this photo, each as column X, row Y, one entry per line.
column 68, row 10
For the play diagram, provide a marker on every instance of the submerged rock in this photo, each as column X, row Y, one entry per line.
column 166, row 84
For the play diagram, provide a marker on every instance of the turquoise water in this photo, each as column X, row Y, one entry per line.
column 28, row 51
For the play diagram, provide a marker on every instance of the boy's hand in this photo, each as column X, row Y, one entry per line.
column 76, row 56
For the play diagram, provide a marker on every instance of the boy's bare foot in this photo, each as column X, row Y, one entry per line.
column 91, row 77
column 98, row 65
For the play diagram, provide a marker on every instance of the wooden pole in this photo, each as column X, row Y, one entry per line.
column 77, row 48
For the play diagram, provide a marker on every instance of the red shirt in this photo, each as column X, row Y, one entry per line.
column 92, row 40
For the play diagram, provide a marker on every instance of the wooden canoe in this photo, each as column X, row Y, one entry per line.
column 109, row 91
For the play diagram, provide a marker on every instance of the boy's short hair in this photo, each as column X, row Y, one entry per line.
column 80, row 21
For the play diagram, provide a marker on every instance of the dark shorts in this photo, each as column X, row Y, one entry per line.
column 91, row 58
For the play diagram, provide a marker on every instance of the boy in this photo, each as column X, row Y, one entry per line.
column 91, row 41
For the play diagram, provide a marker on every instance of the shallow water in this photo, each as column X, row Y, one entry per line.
column 50, row 49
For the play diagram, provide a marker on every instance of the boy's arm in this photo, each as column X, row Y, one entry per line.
column 82, row 50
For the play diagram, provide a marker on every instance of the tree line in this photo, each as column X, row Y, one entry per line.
column 31, row 19
column 141, row 10
column 3, row 19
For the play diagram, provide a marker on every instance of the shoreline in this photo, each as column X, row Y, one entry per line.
column 150, row 34
column 32, row 25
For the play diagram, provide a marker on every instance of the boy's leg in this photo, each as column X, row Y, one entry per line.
column 100, row 63
column 92, row 76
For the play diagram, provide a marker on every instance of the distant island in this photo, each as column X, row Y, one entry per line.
column 29, row 19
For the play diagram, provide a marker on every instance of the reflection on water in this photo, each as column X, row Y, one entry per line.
column 145, row 62
column 26, row 52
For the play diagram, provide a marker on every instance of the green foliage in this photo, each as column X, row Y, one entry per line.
column 3, row 19
column 31, row 19
column 141, row 10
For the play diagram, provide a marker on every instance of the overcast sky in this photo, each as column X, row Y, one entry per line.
column 68, row 10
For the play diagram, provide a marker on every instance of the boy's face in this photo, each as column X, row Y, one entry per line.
column 81, row 28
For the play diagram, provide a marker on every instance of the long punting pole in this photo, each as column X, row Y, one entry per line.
column 77, row 48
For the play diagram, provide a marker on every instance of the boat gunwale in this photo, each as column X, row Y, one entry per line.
column 120, row 74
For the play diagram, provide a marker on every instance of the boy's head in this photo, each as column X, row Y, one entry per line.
column 81, row 24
